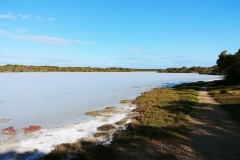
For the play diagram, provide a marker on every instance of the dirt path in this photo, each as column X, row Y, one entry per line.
column 214, row 134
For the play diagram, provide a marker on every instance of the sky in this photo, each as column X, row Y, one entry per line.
column 118, row 33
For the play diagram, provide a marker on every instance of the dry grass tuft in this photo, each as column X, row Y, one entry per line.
column 126, row 101
column 82, row 150
column 110, row 108
column 228, row 96
column 122, row 122
column 106, row 127
column 101, row 134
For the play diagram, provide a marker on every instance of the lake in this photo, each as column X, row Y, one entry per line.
column 57, row 99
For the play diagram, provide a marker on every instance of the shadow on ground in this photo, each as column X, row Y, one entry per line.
column 215, row 134
column 13, row 155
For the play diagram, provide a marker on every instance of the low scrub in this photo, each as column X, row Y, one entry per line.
column 228, row 96
column 121, row 122
column 126, row 101
column 101, row 134
column 82, row 150
column 110, row 107
column 106, row 127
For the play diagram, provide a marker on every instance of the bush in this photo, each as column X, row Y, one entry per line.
column 223, row 91
column 106, row 127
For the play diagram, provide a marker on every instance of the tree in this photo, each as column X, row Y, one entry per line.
column 230, row 65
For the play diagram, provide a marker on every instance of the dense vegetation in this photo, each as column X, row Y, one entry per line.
column 24, row 68
column 229, row 65
column 214, row 70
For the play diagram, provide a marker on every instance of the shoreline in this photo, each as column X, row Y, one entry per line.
column 44, row 140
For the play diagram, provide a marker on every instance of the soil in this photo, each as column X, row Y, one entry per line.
column 213, row 134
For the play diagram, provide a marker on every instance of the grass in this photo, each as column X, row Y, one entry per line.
column 228, row 96
column 101, row 134
column 110, row 107
column 106, row 127
column 82, row 150
column 121, row 122
column 126, row 101
column 105, row 111
column 161, row 114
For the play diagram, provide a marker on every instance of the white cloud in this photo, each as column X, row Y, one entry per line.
column 91, row 35
column 4, row 23
column 21, row 30
column 39, row 39
column 25, row 16
column 133, row 58
column 167, row 57
column 77, row 41
column 39, row 18
column 51, row 19
column 135, row 49
column 29, row 60
column 6, row 16
column 90, row 43
column 42, row 39
column 3, row 33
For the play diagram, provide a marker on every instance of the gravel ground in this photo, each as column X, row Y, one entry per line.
column 214, row 133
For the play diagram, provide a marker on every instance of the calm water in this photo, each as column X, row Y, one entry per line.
column 57, row 99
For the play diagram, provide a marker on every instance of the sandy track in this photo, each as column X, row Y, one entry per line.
column 214, row 134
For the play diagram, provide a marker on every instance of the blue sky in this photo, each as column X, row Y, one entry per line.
column 118, row 33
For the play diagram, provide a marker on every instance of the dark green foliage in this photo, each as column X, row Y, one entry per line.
column 230, row 66
column 23, row 68
column 214, row 70
column 223, row 91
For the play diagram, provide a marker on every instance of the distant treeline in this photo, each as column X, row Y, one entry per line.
column 214, row 70
column 24, row 68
